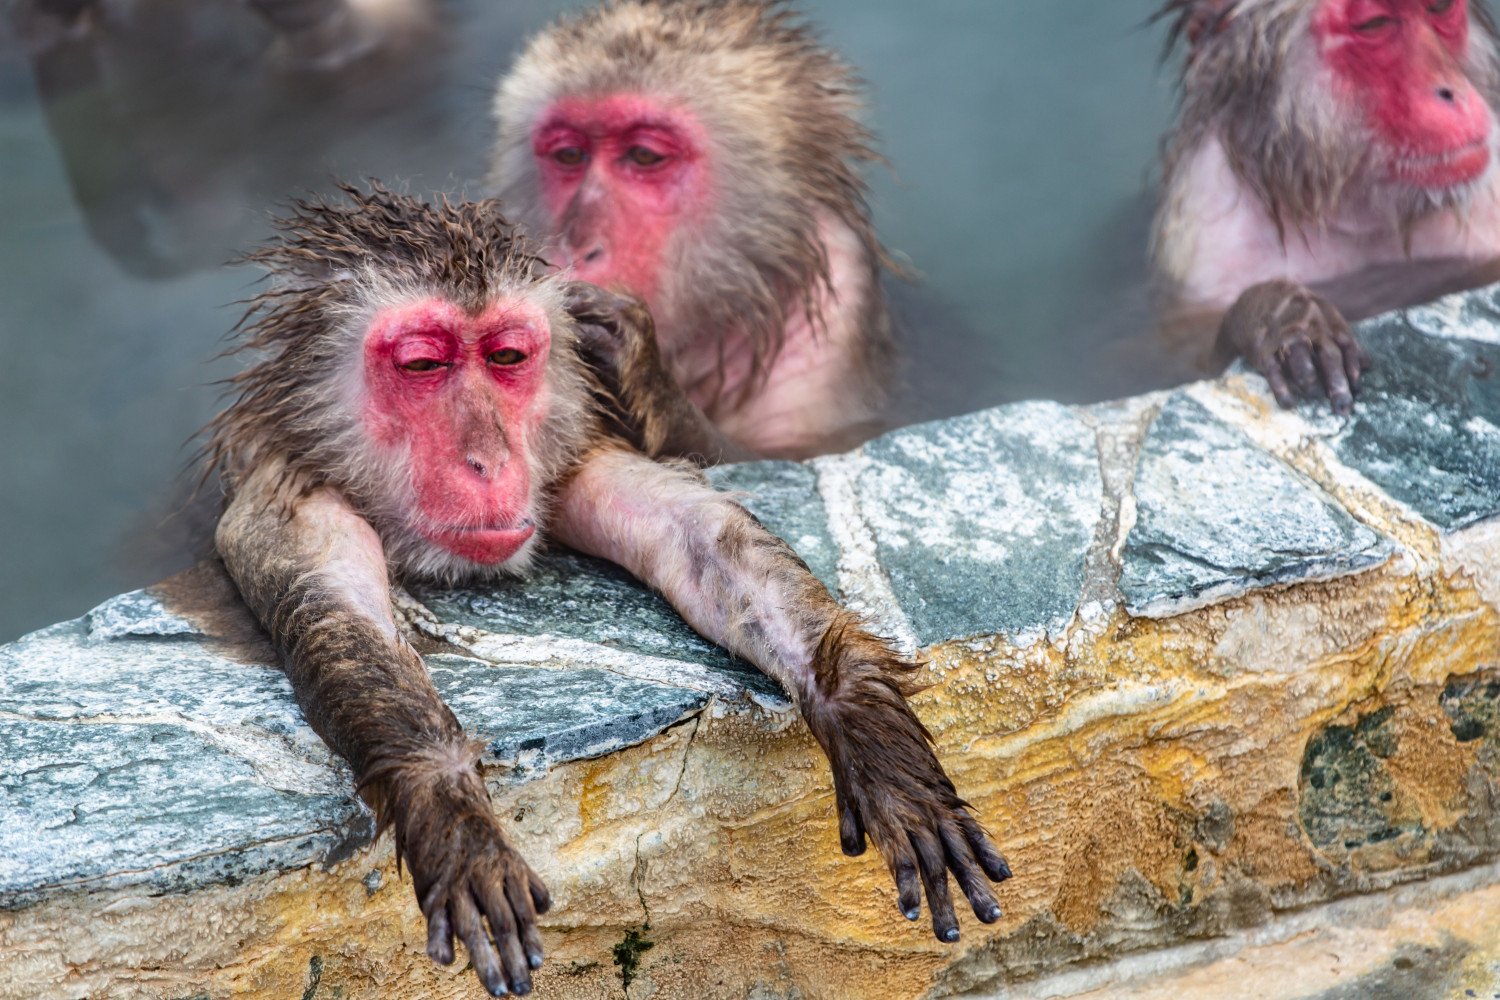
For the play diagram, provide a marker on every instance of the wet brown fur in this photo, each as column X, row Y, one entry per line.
column 784, row 113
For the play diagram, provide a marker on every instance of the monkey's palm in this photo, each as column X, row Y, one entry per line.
column 888, row 784
column 467, row 876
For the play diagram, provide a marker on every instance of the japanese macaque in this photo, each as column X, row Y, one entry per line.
column 705, row 157
column 1331, row 159
column 421, row 411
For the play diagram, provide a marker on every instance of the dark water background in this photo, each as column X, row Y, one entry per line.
column 1022, row 134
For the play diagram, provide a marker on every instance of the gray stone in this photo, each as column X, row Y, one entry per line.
column 154, row 762
column 537, row 717
column 577, row 597
column 983, row 523
column 137, row 755
column 1217, row 517
column 784, row 496
column 1426, row 426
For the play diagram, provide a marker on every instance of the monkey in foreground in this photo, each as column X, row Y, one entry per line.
column 421, row 411
column 1331, row 159
column 705, row 157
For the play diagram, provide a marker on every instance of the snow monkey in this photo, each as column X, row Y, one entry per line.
column 420, row 410
column 705, row 156
column 1331, row 159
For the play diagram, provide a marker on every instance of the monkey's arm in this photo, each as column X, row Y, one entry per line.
column 618, row 337
column 1295, row 338
column 739, row 585
column 313, row 572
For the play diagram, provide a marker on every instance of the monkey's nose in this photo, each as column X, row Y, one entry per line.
column 1447, row 94
column 593, row 256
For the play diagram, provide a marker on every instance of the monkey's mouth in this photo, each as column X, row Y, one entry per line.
column 1451, row 168
column 488, row 545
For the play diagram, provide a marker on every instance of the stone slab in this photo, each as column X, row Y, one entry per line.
column 1426, row 427
column 784, row 496
column 1217, row 517
column 155, row 762
column 983, row 523
column 577, row 597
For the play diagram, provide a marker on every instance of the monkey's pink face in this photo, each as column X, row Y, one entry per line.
column 1403, row 63
column 620, row 175
column 461, row 395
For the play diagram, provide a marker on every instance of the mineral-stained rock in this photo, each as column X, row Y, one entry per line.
column 1427, row 427
column 1216, row 518
column 1193, row 696
column 982, row 523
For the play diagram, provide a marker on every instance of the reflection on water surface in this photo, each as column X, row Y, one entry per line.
column 1022, row 136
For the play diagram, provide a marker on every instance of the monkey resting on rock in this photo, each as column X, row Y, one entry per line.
column 705, row 156
column 421, row 411
column 1331, row 159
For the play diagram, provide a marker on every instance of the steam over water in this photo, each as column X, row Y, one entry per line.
column 1022, row 136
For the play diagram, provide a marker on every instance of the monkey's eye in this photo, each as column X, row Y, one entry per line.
column 505, row 358
column 1440, row 7
column 420, row 365
column 1375, row 24
column 641, row 156
column 570, row 156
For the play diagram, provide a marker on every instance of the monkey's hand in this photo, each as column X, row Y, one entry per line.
column 1295, row 338
column 617, row 337
column 470, row 881
column 888, row 784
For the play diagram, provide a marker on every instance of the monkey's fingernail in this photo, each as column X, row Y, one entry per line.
column 911, row 914
column 949, row 934
column 522, row 989
column 1004, row 871
column 534, row 960
column 991, row 915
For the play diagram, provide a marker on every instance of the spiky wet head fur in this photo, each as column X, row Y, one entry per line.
column 335, row 266
column 1251, row 77
column 786, row 145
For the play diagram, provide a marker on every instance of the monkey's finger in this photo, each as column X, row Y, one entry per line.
column 486, row 961
column 965, row 868
column 1355, row 358
column 1274, row 377
column 541, row 899
column 1299, row 362
column 504, row 931
column 990, row 858
column 440, row 937
column 521, row 905
column 903, row 865
column 851, row 827
column 934, row 869
column 1335, row 379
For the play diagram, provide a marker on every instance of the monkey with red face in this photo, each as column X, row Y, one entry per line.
column 705, row 157
column 421, row 411
column 1331, row 159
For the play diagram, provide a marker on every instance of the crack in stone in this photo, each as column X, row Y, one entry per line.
column 553, row 652
column 270, row 757
column 864, row 585
column 1120, row 431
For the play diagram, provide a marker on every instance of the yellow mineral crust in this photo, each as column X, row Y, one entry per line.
column 1151, row 782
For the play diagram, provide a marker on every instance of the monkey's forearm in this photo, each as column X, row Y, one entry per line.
column 744, row 588
column 314, row 574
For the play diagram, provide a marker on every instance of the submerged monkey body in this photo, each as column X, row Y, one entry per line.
column 704, row 156
column 1228, row 241
column 422, row 410
column 1331, row 159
